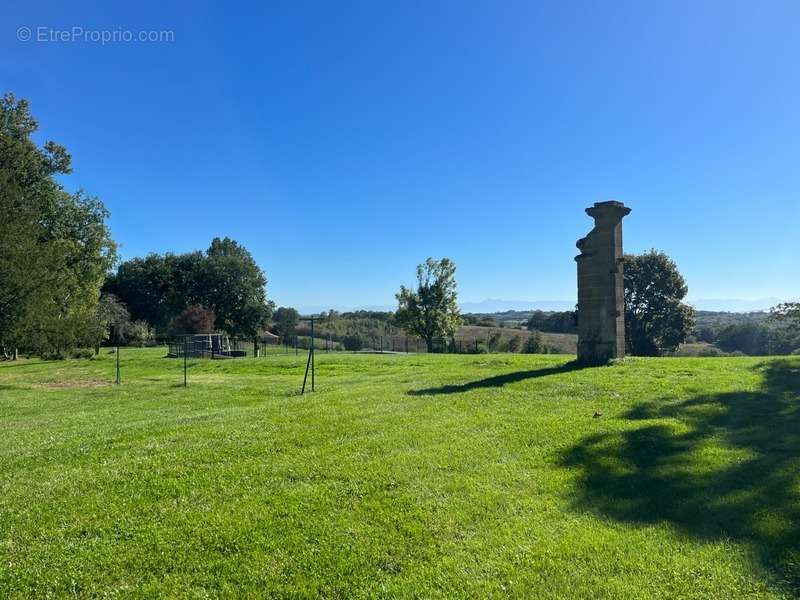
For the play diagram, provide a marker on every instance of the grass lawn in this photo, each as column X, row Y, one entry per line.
column 417, row 476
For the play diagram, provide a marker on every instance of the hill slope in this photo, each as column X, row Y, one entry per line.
column 418, row 475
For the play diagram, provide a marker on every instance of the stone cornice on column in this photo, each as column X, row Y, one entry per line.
column 601, row 293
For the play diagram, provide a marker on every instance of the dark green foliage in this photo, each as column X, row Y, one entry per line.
column 748, row 338
column 55, row 248
column 224, row 279
column 494, row 341
column 754, row 333
column 514, row 343
column 431, row 310
column 110, row 323
column 284, row 321
column 757, row 339
column 352, row 342
column 234, row 287
column 656, row 319
column 195, row 319
column 534, row 344
column 788, row 311
column 554, row 322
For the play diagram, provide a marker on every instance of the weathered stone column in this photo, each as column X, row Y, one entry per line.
column 601, row 288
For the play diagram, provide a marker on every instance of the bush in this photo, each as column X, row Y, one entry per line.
column 352, row 343
column 534, row 344
column 494, row 340
column 139, row 333
column 52, row 355
column 82, row 353
column 514, row 343
column 481, row 348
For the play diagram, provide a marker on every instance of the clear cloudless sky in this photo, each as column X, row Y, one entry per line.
column 345, row 142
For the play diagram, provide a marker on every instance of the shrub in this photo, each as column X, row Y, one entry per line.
column 352, row 342
column 534, row 344
column 494, row 340
column 139, row 333
column 514, row 343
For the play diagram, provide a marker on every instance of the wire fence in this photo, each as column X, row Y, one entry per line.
column 231, row 347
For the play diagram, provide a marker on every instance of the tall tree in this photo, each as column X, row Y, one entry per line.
column 224, row 279
column 195, row 319
column 787, row 312
column 431, row 311
column 656, row 319
column 285, row 320
column 234, row 287
column 55, row 247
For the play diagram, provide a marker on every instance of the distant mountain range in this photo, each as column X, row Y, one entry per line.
column 494, row 305
column 736, row 304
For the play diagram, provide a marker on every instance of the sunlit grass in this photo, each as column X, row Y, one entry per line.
column 418, row 475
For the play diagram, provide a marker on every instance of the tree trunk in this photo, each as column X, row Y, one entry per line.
column 429, row 344
column 14, row 354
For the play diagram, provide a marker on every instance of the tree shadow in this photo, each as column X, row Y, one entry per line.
column 499, row 380
column 729, row 468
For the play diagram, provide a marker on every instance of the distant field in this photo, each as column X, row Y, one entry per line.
column 402, row 476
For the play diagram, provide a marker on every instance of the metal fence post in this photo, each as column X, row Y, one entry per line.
column 117, row 380
column 185, row 354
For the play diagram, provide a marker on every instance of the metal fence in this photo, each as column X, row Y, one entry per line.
column 221, row 347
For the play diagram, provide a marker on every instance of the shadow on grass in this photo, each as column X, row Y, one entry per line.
column 499, row 380
column 730, row 469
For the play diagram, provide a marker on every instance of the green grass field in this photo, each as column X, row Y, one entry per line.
column 411, row 476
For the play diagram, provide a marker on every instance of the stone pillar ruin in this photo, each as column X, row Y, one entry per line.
column 601, row 288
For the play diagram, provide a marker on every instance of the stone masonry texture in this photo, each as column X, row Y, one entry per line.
column 601, row 291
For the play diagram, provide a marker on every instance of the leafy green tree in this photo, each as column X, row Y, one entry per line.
column 234, row 287
column 656, row 319
column 431, row 311
column 55, row 247
column 352, row 342
column 514, row 343
column 110, row 323
column 195, row 319
column 534, row 344
column 748, row 338
column 555, row 322
column 494, row 341
column 786, row 312
column 146, row 286
column 139, row 333
column 285, row 321
column 224, row 279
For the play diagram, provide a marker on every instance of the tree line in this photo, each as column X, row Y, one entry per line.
column 221, row 289
column 58, row 287
column 62, row 287
column 55, row 247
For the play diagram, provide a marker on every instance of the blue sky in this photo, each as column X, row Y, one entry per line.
column 345, row 142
